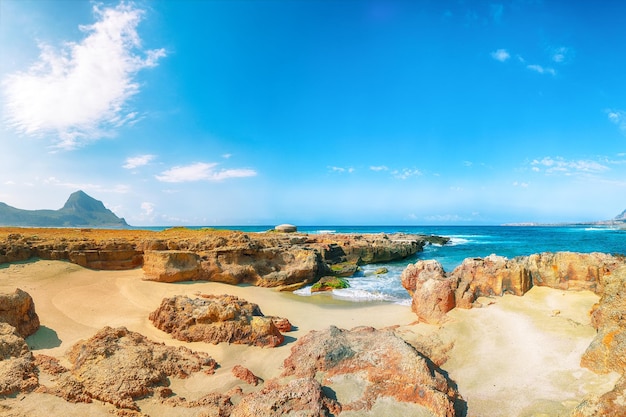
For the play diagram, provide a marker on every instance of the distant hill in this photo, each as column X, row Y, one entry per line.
column 80, row 210
column 621, row 216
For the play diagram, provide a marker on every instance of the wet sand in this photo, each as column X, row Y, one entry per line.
column 518, row 356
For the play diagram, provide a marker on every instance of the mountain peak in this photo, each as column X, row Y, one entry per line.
column 79, row 210
column 621, row 216
column 79, row 200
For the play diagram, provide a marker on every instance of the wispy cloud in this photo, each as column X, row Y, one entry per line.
column 116, row 189
column 501, row 55
column 80, row 91
column 138, row 161
column 405, row 173
column 559, row 165
column 147, row 209
column 618, row 117
column 349, row 170
column 379, row 168
column 562, row 54
column 201, row 171
column 541, row 70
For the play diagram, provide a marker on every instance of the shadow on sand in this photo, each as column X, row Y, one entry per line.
column 44, row 338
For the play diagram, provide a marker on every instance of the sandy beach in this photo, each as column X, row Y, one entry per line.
column 517, row 356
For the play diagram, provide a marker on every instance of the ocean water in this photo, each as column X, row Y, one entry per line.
column 470, row 242
column 466, row 242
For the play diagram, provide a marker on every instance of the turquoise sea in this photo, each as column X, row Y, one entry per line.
column 466, row 241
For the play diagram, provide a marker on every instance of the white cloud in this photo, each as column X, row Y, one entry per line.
column 406, row 173
column 341, row 169
column 560, row 165
column 500, row 55
column 618, row 117
column 379, row 168
column 147, row 208
column 541, row 70
column 80, row 91
column 138, row 161
column 201, row 171
column 520, row 184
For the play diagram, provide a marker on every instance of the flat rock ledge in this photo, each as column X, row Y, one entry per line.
column 216, row 319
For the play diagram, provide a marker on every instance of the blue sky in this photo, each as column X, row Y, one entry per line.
column 315, row 112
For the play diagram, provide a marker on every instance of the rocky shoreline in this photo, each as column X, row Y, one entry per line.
column 327, row 371
column 285, row 261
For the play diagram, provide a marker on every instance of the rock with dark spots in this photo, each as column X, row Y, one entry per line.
column 18, row 310
column 216, row 319
column 117, row 366
column 298, row 398
column 378, row 361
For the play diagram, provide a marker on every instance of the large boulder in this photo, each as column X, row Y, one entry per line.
column 118, row 366
column 216, row 319
column 17, row 365
column 431, row 291
column 381, row 364
column 18, row 310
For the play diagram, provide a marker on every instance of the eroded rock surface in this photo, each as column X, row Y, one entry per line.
column 17, row 365
column 435, row 292
column 379, row 362
column 216, row 319
column 280, row 260
column 117, row 366
column 301, row 397
column 18, row 310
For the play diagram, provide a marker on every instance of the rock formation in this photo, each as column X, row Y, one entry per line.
column 299, row 397
column 285, row 261
column 246, row 375
column 17, row 365
column 435, row 292
column 378, row 361
column 216, row 319
column 18, row 310
column 117, row 366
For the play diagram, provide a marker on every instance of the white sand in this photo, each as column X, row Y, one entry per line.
column 512, row 358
